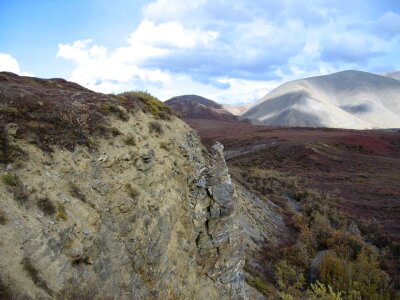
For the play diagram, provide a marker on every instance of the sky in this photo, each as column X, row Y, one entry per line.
column 232, row 51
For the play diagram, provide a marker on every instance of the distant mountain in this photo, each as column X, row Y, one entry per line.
column 197, row 107
column 236, row 109
column 394, row 75
column 348, row 99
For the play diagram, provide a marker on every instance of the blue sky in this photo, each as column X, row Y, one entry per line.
column 230, row 51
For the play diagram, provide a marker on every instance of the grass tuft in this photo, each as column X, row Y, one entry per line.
column 132, row 191
column 156, row 127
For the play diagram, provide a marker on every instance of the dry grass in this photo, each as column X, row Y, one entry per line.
column 76, row 192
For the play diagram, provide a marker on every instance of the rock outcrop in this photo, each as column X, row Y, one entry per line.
column 219, row 239
column 138, row 213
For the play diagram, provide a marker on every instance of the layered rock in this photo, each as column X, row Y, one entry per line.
column 219, row 238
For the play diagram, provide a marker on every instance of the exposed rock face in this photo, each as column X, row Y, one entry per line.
column 150, row 219
column 219, row 239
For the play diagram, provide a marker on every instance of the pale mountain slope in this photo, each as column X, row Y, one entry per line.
column 349, row 99
column 235, row 109
column 394, row 75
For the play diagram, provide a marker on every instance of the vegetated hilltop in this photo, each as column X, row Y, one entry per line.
column 348, row 99
column 110, row 196
column 338, row 190
column 197, row 107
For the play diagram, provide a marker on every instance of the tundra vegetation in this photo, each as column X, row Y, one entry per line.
column 327, row 255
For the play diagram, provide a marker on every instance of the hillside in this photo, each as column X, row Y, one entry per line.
column 349, row 99
column 339, row 193
column 197, row 107
column 111, row 196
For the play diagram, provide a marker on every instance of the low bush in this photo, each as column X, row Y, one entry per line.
column 46, row 206
column 260, row 285
column 151, row 104
column 3, row 218
column 132, row 191
column 130, row 140
column 10, row 180
column 156, row 127
column 165, row 146
column 15, row 186
column 61, row 213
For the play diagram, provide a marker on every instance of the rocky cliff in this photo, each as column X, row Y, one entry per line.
column 106, row 196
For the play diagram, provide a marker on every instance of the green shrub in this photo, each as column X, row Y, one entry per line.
column 10, row 179
column 112, row 108
column 287, row 277
column 261, row 286
column 320, row 291
column 360, row 276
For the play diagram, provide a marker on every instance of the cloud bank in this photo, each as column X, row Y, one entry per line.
column 235, row 52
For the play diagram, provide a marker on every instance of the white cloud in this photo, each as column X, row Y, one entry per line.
column 235, row 51
column 170, row 35
column 10, row 64
column 167, row 10
column 112, row 71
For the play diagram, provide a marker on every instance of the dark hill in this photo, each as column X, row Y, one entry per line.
column 197, row 107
